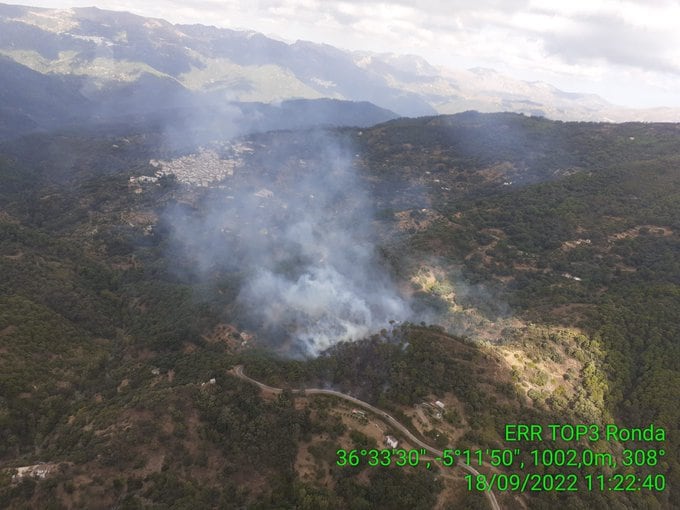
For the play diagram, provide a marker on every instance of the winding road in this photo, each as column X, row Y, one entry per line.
column 238, row 372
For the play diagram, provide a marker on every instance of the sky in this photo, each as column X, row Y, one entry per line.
column 626, row 51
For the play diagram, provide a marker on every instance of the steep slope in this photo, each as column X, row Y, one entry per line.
column 548, row 248
column 29, row 99
column 107, row 49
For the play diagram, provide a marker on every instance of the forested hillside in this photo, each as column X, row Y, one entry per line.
column 540, row 262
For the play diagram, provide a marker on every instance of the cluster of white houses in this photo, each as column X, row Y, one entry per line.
column 203, row 168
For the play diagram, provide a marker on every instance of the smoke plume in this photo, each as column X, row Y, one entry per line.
column 295, row 222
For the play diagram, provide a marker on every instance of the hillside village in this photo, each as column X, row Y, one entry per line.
column 203, row 168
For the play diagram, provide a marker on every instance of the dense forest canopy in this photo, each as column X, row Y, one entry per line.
column 539, row 259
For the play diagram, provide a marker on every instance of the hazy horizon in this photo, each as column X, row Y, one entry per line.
column 626, row 52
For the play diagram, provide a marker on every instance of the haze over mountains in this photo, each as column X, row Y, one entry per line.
column 68, row 65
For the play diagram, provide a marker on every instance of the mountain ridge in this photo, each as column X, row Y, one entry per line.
column 101, row 47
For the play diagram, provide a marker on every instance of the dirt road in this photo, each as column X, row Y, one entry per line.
column 238, row 372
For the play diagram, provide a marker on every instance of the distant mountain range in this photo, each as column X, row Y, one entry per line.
column 63, row 66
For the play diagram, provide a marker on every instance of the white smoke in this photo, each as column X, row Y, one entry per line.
column 301, row 232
